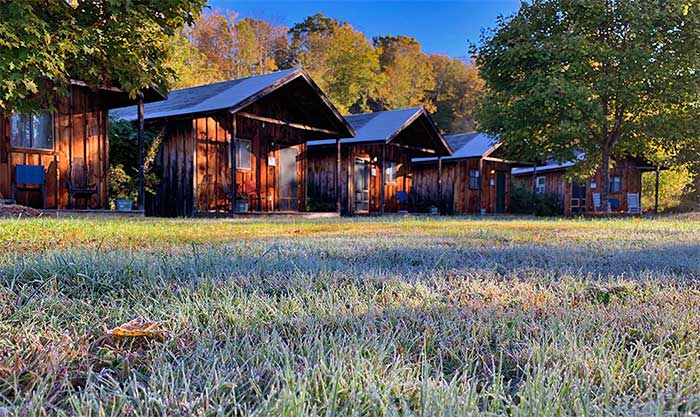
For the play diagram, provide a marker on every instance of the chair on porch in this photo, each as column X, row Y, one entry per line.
column 250, row 191
column 79, row 186
column 596, row 201
column 633, row 204
column 30, row 178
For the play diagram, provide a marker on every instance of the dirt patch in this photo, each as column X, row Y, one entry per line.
column 15, row 210
column 693, row 215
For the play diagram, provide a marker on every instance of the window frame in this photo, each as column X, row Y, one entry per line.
column 239, row 156
column 615, row 180
column 476, row 178
column 393, row 168
column 540, row 188
column 32, row 117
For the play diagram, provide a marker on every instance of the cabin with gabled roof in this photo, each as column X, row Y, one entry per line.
column 475, row 179
column 239, row 145
column 375, row 166
column 59, row 159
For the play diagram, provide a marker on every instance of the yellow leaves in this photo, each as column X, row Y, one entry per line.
column 140, row 328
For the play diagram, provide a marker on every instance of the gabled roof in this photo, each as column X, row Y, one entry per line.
column 232, row 95
column 383, row 126
column 206, row 98
column 549, row 166
column 467, row 145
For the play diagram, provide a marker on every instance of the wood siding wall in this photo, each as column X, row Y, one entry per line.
column 457, row 196
column 80, row 131
column 194, row 162
column 556, row 182
column 322, row 172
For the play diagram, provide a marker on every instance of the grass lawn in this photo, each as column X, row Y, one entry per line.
column 340, row 317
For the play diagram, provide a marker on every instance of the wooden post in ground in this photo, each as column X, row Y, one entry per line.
column 232, row 146
column 656, row 192
column 439, row 185
column 338, row 193
column 142, row 176
column 382, row 178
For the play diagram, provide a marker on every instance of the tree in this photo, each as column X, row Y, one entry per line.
column 189, row 65
column 109, row 42
column 407, row 72
column 606, row 77
column 455, row 97
column 339, row 58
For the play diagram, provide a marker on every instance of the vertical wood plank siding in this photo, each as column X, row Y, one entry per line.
column 80, row 131
column 457, row 195
column 555, row 182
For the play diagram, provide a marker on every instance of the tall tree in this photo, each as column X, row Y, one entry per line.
column 341, row 59
column 407, row 72
column 113, row 42
column 189, row 65
column 606, row 77
column 458, row 88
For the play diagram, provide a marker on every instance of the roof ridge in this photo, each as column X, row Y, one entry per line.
column 290, row 70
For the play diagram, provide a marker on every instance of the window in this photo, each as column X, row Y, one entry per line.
column 32, row 130
column 243, row 154
column 540, row 186
column 390, row 172
column 615, row 185
column 474, row 179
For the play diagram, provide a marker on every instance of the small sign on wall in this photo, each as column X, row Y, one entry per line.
column 492, row 182
column 594, row 186
column 271, row 161
column 374, row 172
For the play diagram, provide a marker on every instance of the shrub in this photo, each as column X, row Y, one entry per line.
column 524, row 201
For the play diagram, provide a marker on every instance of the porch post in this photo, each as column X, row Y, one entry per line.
column 439, row 185
column 232, row 146
column 481, row 184
column 656, row 192
column 382, row 180
column 338, row 193
column 142, row 176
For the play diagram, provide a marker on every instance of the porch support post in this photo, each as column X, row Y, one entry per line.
column 338, row 193
column 481, row 184
column 439, row 185
column 382, row 179
column 656, row 192
column 232, row 148
column 142, row 176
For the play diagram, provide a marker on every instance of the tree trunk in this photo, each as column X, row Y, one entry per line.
column 605, row 178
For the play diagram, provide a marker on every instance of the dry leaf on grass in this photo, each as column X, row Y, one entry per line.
column 140, row 328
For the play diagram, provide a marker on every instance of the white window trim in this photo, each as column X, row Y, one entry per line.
column 478, row 179
column 238, row 142
column 540, row 188
column 389, row 180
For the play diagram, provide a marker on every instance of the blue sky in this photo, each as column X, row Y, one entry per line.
column 441, row 26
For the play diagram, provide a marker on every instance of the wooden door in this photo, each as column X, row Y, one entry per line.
column 500, row 192
column 289, row 183
column 361, row 182
column 578, row 197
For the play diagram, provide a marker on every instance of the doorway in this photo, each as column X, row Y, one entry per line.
column 289, row 185
column 500, row 192
column 361, row 184
column 578, row 197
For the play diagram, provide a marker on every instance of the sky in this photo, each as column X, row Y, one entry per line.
column 441, row 26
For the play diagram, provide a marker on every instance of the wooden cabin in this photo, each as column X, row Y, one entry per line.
column 238, row 145
column 60, row 159
column 474, row 179
column 624, row 188
column 375, row 166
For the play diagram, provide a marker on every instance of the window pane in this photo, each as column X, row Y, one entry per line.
column 20, row 126
column 243, row 154
column 390, row 172
column 43, row 130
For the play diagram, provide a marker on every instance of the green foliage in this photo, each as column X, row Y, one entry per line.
column 602, row 77
column 122, row 186
column 523, row 200
column 674, row 185
column 102, row 42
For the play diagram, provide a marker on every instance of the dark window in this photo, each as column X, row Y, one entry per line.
column 243, row 154
column 615, row 184
column 32, row 131
column 540, row 185
column 390, row 173
column 474, row 179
